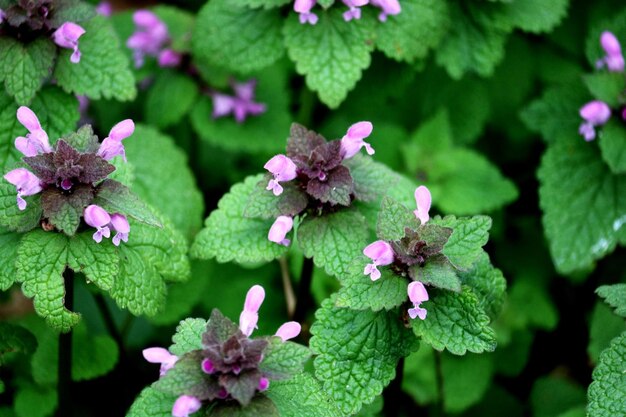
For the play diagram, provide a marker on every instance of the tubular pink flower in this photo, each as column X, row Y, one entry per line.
column 241, row 105
column 352, row 142
column 104, row 8
column 169, row 58
column 264, row 384
column 185, row 405
column 66, row 36
column 303, row 7
column 389, row 7
column 121, row 227
column 96, row 216
column 595, row 113
column 283, row 169
column 162, row 356
column 614, row 60
column 26, row 184
column 149, row 38
column 250, row 314
column 423, row 200
column 417, row 294
column 207, row 366
column 354, row 11
column 36, row 141
column 381, row 253
column 289, row 330
column 112, row 145
column 282, row 225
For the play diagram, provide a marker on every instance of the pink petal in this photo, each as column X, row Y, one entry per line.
column 289, row 330
column 282, row 225
column 248, row 321
column 156, row 355
column 423, row 200
column 380, row 252
column 303, row 6
column 610, row 44
column 597, row 112
column 28, row 119
column 185, row 405
column 360, row 130
column 254, row 298
column 96, row 216
column 417, row 292
column 122, row 130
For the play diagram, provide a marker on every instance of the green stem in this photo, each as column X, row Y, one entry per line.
column 304, row 300
column 439, row 377
column 65, row 353
column 290, row 297
column 307, row 106
column 109, row 323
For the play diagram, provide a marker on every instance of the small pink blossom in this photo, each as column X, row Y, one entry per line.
column 185, row 405
column 595, row 113
column 96, row 216
column 381, row 253
column 66, row 36
column 423, row 200
column 352, row 142
column 264, row 384
column 104, row 8
column 614, row 60
column 36, row 141
column 162, row 356
column 282, row 225
column 283, row 169
column 207, row 366
column 250, row 315
column 303, row 7
column 354, row 11
column 150, row 36
column 240, row 105
column 417, row 294
column 121, row 227
column 169, row 58
column 25, row 182
column 389, row 7
column 112, row 145
column 289, row 330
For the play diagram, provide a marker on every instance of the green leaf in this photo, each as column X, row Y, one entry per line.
column 301, row 396
column 180, row 25
column 607, row 392
column 359, row 292
column 259, row 406
column 34, row 401
column 186, row 377
column 576, row 187
column 11, row 216
column 229, row 236
column 439, row 273
column 84, row 140
column 615, row 296
column 488, row 284
column 98, row 261
column 15, row 339
column 103, row 70
column 170, row 97
column 41, row 260
column 326, row 3
column 465, row 380
column 357, row 349
column 393, row 218
column 188, row 336
column 152, row 403
column 333, row 240
column 613, row 146
column 262, row 203
column 72, row 11
column 554, row 395
column 162, row 178
column 64, row 211
column 25, row 67
column 468, row 237
column 266, row 4
column 606, row 86
column 471, row 45
column 283, row 359
column 115, row 197
column 455, row 322
column 237, row 38
column 534, row 16
column 57, row 112
column 332, row 54
column 604, row 326
column 372, row 180
column 265, row 133
column 419, row 27
column 530, row 305
column 9, row 242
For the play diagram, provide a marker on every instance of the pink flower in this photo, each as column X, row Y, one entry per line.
column 26, row 184
column 417, row 294
column 381, row 253
column 283, row 169
column 282, row 225
column 389, row 7
column 352, row 142
column 250, row 314
column 66, row 36
column 354, row 11
column 289, row 330
column 423, row 200
column 104, row 8
column 36, row 141
column 264, row 384
column 112, row 145
column 162, row 356
column 241, row 105
column 614, row 60
column 149, row 38
column 121, row 227
column 185, row 405
column 303, row 7
column 595, row 113
column 169, row 58
column 96, row 216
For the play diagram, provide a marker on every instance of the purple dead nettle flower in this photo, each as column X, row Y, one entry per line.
column 36, row 141
column 614, row 60
column 1, row 15
column 97, row 217
column 250, row 314
column 289, row 330
column 278, row 232
column 26, row 183
column 352, row 141
column 150, row 36
column 354, row 11
column 423, row 200
column 169, row 58
column 595, row 113
column 283, row 170
column 112, row 145
column 417, row 294
column 185, row 405
column 381, row 253
column 389, row 7
column 66, row 36
column 240, row 105
column 162, row 356
column 104, row 8
column 303, row 7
